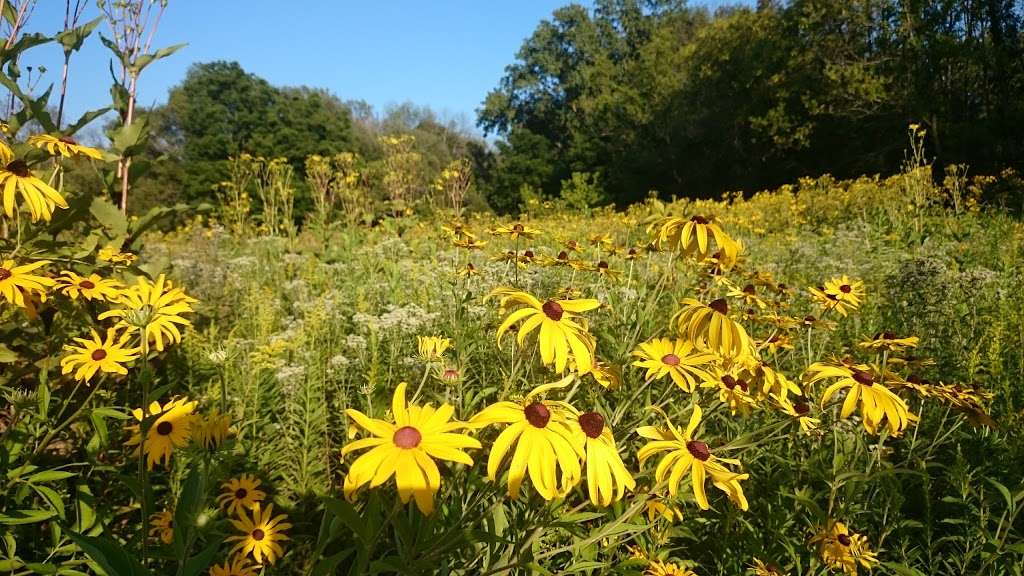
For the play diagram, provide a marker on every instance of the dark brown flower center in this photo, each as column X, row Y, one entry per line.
column 592, row 424
column 699, row 220
column 632, row 252
column 517, row 228
column 844, row 539
column 699, row 450
column 563, row 255
column 68, row 140
column 5, row 274
column 98, row 354
column 241, row 493
column 782, row 287
column 19, row 168
column 407, row 437
column 86, row 284
column 164, row 428
column 552, row 310
column 889, row 335
column 528, row 254
column 602, row 265
column 720, row 306
column 801, row 407
column 748, row 289
column 537, row 414
column 258, row 534
column 863, row 378
column 846, row 289
column 810, row 319
column 670, row 360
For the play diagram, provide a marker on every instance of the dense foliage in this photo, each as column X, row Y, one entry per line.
column 659, row 95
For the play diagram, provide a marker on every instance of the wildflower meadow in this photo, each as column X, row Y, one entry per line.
column 341, row 369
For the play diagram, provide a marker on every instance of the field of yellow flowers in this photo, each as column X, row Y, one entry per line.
column 818, row 379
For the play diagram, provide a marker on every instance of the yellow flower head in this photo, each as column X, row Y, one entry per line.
column 546, row 441
column 162, row 526
column 63, row 146
column 155, row 308
column 171, row 428
column 661, row 568
column 16, row 281
column 709, row 326
column 91, row 287
column 760, row 568
column 863, row 383
column 664, row 509
column 406, row 449
column 240, row 494
column 698, row 237
column 113, row 255
column 16, row 177
column 889, row 342
column 843, row 549
column 686, row 454
column 211, row 430
column 237, row 566
column 432, row 348
column 839, row 294
column 607, row 477
column 99, row 355
column 562, row 329
column 261, row 534
column 676, row 359
column 515, row 231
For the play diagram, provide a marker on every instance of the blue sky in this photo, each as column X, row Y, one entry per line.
column 446, row 54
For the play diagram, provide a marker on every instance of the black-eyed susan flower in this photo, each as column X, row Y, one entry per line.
column 877, row 403
column 840, row 294
column 733, row 391
column 663, row 509
column 155, row 308
column 709, row 326
column 799, row 408
column 240, row 493
column 662, row 568
column 840, row 548
column 515, row 231
column 113, row 255
column 607, row 477
column 687, row 455
column 64, row 146
column 432, row 348
column 162, row 526
column 699, row 237
column 747, row 295
column 91, row 287
column 107, row 355
column 677, row 359
column 776, row 343
column 606, row 375
column 210, row 430
column 561, row 329
column 468, row 270
column 237, row 566
column 406, row 449
column 17, row 178
column 545, row 439
column 261, row 534
column 889, row 342
column 16, row 281
column 171, row 428
column 759, row 568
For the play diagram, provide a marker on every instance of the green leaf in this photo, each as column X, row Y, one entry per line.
column 111, row 556
column 7, row 355
column 1010, row 504
column 196, row 564
column 146, row 59
column 347, row 514
column 109, row 216
column 903, row 569
column 189, row 502
column 17, row 517
column 54, row 499
column 329, row 565
column 72, row 39
column 111, row 413
column 86, row 117
column 49, row 476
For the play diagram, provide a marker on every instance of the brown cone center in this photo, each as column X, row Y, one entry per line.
column 19, row 168
column 844, row 539
column 537, row 414
column 670, row 360
column 592, row 424
column 98, row 354
column 5, row 274
column 699, row 220
column 699, row 450
column 258, row 535
column 164, row 428
column 407, row 437
column 241, row 493
column 846, row 289
column 552, row 310
column 863, row 378
column 720, row 306
column 86, row 284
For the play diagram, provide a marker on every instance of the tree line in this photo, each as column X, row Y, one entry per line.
column 610, row 102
